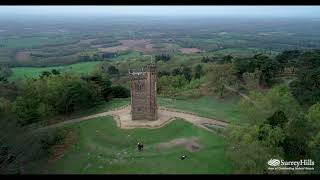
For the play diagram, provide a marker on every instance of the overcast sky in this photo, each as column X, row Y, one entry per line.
column 251, row 11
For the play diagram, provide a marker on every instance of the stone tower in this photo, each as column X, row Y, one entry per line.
column 144, row 93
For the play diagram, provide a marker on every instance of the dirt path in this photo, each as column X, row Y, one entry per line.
column 191, row 144
column 123, row 119
column 241, row 94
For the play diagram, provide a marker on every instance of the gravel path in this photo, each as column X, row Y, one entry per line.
column 122, row 117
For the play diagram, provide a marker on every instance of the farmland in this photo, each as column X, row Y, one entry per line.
column 33, row 72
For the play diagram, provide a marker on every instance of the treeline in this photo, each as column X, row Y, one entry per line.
column 20, row 150
column 55, row 93
column 108, row 42
column 5, row 72
column 37, row 100
column 180, row 80
column 304, row 67
column 297, row 68
column 162, row 57
column 282, row 123
column 275, row 126
column 224, row 59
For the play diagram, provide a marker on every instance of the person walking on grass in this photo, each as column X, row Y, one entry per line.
column 140, row 146
column 183, row 157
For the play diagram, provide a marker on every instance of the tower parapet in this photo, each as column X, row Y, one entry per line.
column 137, row 74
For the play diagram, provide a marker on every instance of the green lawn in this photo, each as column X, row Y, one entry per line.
column 21, row 72
column 106, row 106
column 103, row 148
column 206, row 106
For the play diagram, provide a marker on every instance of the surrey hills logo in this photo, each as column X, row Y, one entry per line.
column 276, row 164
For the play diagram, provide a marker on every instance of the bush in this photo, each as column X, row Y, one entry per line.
column 50, row 139
column 120, row 92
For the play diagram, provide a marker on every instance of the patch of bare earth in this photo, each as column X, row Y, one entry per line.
column 190, row 50
column 86, row 41
column 114, row 49
column 191, row 144
column 142, row 45
column 22, row 55
column 60, row 149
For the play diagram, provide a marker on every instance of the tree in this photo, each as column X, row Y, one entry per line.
column 163, row 73
column 162, row 57
column 197, row 71
column 313, row 119
column 120, row 92
column 113, row 71
column 306, row 88
column 45, row 74
column 227, row 59
column 171, row 85
column 55, row 72
column 277, row 119
column 205, row 59
column 20, row 149
column 276, row 126
column 186, row 71
column 243, row 65
column 296, row 140
column 77, row 94
column 252, row 80
column 97, row 57
column 288, row 59
column 261, row 106
column 220, row 76
column 269, row 69
column 247, row 152
column 176, row 72
column 41, row 98
column 99, row 78
column 5, row 72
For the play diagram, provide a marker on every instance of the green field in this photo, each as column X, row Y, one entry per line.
column 206, row 106
column 128, row 56
column 33, row 42
column 102, row 148
column 21, row 72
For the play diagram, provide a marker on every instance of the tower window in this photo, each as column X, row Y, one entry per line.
column 139, row 86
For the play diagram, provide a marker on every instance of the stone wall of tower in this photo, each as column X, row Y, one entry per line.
column 143, row 94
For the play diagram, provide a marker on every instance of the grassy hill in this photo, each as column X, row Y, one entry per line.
column 98, row 146
column 101, row 147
